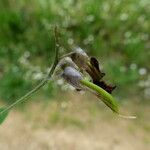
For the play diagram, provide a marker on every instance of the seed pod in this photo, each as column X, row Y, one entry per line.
column 107, row 98
column 91, row 66
column 65, row 62
column 80, row 58
column 72, row 76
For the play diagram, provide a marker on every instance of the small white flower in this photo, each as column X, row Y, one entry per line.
column 60, row 82
column 89, row 39
column 90, row 18
column 123, row 17
column 37, row 76
column 106, row 7
column 142, row 71
column 133, row 66
column 70, row 41
column 123, row 69
column 144, row 37
column 26, row 54
column 141, row 19
column 64, row 105
column 127, row 34
column 147, row 92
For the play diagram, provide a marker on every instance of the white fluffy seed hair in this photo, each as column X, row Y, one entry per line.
column 80, row 58
column 63, row 63
column 67, row 61
column 79, row 50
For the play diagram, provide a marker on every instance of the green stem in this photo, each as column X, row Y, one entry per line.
column 106, row 97
column 23, row 98
column 42, row 83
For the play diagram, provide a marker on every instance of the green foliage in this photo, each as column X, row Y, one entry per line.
column 115, row 31
column 3, row 115
column 13, row 84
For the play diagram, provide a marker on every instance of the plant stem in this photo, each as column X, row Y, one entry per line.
column 43, row 82
column 23, row 98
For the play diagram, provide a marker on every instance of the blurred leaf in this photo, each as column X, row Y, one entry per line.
column 112, row 30
column 13, row 84
column 3, row 115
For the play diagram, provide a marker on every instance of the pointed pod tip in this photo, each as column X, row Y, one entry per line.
column 127, row 117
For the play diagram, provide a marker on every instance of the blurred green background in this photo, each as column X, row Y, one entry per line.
column 117, row 32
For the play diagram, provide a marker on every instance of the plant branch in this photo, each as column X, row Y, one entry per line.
column 43, row 82
column 56, row 60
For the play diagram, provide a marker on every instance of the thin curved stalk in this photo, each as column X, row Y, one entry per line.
column 42, row 83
